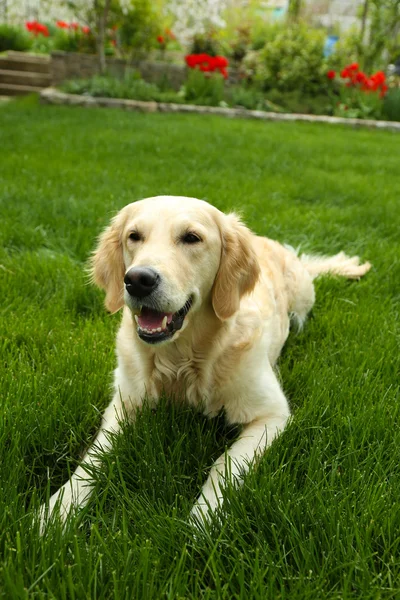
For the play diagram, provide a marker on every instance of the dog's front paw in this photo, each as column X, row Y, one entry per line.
column 199, row 515
column 60, row 505
column 204, row 511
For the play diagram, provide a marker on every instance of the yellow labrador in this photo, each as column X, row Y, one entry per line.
column 206, row 311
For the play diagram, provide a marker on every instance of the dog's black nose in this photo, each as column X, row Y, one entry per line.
column 141, row 281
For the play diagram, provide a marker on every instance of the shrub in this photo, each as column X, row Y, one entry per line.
column 391, row 105
column 131, row 87
column 296, row 101
column 346, row 50
column 137, row 28
column 240, row 43
column 293, row 60
column 206, row 43
column 42, row 44
column 14, row 38
column 248, row 97
column 263, row 33
column 74, row 40
column 251, row 67
column 251, row 98
column 204, row 90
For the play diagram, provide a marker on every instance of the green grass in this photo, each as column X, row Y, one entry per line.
column 320, row 516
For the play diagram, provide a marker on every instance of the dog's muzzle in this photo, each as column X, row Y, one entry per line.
column 153, row 326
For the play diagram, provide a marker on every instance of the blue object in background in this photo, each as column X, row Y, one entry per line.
column 278, row 13
column 330, row 43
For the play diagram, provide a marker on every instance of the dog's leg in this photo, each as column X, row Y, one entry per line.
column 255, row 437
column 76, row 492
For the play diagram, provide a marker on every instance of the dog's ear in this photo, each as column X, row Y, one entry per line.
column 239, row 269
column 107, row 267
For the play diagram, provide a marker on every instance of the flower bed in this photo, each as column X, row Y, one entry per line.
column 285, row 71
column 352, row 95
column 357, row 94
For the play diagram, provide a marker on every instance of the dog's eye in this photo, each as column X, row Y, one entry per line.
column 191, row 238
column 135, row 236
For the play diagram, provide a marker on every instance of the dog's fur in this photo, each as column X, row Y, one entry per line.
column 244, row 289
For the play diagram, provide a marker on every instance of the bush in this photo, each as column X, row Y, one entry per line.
column 201, row 90
column 248, row 97
column 198, row 89
column 204, row 90
column 240, row 43
column 206, row 43
column 14, row 38
column 42, row 44
column 391, row 105
column 264, row 33
column 138, row 28
column 74, row 41
column 293, row 61
column 301, row 103
column 345, row 51
column 129, row 87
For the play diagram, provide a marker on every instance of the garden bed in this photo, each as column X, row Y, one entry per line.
column 54, row 96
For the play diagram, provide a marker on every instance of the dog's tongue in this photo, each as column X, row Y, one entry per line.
column 151, row 319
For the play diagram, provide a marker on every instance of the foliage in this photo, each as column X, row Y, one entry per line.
column 294, row 9
column 251, row 98
column 202, row 90
column 360, row 96
column 14, row 38
column 383, row 34
column 96, row 15
column 346, row 50
column 391, row 105
column 251, row 67
column 375, row 42
column 205, row 43
column 74, row 40
column 293, row 60
column 42, row 45
column 167, row 40
column 296, row 101
column 240, row 43
column 131, row 87
column 137, row 26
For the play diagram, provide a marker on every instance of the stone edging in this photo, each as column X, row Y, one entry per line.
column 54, row 96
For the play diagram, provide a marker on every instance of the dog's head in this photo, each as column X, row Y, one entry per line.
column 168, row 257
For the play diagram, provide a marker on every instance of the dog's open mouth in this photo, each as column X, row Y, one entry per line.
column 154, row 326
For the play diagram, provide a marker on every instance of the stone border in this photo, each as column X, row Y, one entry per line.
column 54, row 96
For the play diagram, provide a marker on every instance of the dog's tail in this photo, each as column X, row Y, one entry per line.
column 340, row 264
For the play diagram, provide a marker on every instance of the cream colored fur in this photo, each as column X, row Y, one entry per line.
column 244, row 290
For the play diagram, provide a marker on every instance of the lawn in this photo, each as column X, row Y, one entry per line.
column 320, row 517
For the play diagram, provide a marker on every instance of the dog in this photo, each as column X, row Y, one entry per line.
column 207, row 306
